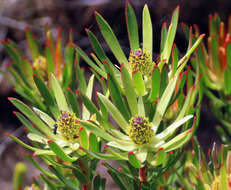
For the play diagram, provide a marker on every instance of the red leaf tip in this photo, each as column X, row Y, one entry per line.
column 131, row 153
column 87, row 30
column 72, row 45
column 105, row 147
column 9, row 98
column 7, row 134
column 49, row 141
column 27, row 28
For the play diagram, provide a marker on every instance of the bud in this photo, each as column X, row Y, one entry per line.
column 40, row 65
column 140, row 130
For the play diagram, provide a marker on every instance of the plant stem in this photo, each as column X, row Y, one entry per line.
column 143, row 176
column 83, row 165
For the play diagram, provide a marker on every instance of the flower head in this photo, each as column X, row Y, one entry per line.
column 40, row 65
column 68, row 126
column 141, row 61
column 140, row 130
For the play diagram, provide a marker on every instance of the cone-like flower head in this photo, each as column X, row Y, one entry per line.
column 140, row 130
column 141, row 61
column 68, row 126
column 40, row 65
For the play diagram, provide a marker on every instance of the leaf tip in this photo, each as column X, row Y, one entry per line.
column 86, row 30
column 49, row 141
column 7, row 134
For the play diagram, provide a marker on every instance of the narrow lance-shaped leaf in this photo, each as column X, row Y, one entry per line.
column 115, row 113
column 33, row 46
column 134, row 161
column 85, row 112
column 99, row 50
column 83, row 138
column 60, row 152
column 90, row 62
column 59, row 96
column 111, row 40
column 147, row 31
column 132, row 27
column 46, row 95
column 164, row 101
column 129, row 91
column 170, row 36
column 138, row 83
column 155, row 85
column 32, row 116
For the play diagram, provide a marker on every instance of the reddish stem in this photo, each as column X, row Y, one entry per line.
column 143, row 176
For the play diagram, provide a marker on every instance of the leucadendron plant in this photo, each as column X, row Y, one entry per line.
column 201, row 174
column 42, row 62
column 145, row 114
column 139, row 96
column 57, row 137
column 215, row 65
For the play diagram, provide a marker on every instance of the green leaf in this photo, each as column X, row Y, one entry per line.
column 80, row 176
column 175, row 59
column 38, row 167
column 228, row 55
column 129, row 91
column 178, row 141
column 164, row 101
column 115, row 113
column 155, row 85
column 94, row 144
column 92, row 108
column 50, row 60
column 85, row 112
column 99, row 50
column 170, row 36
column 117, row 98
column 132, row 27
column 134, row 161
column 147, row 31
column 111, row 40
column 83, row 138
column 32, row 116
column 59, row 96
column 227, row 81
column 32, row 43
column 82, row 84
column 163, row 36
column 138, row 83
column 69, row 184
column 72, row 100
column 45, row 117
column 224, row 178
column 160, row 156
column 51, row 185
column 96, row 130
column 90, row 62
column 172, row 128
column 28, row 125
column 60, row 152
column 50, row 102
